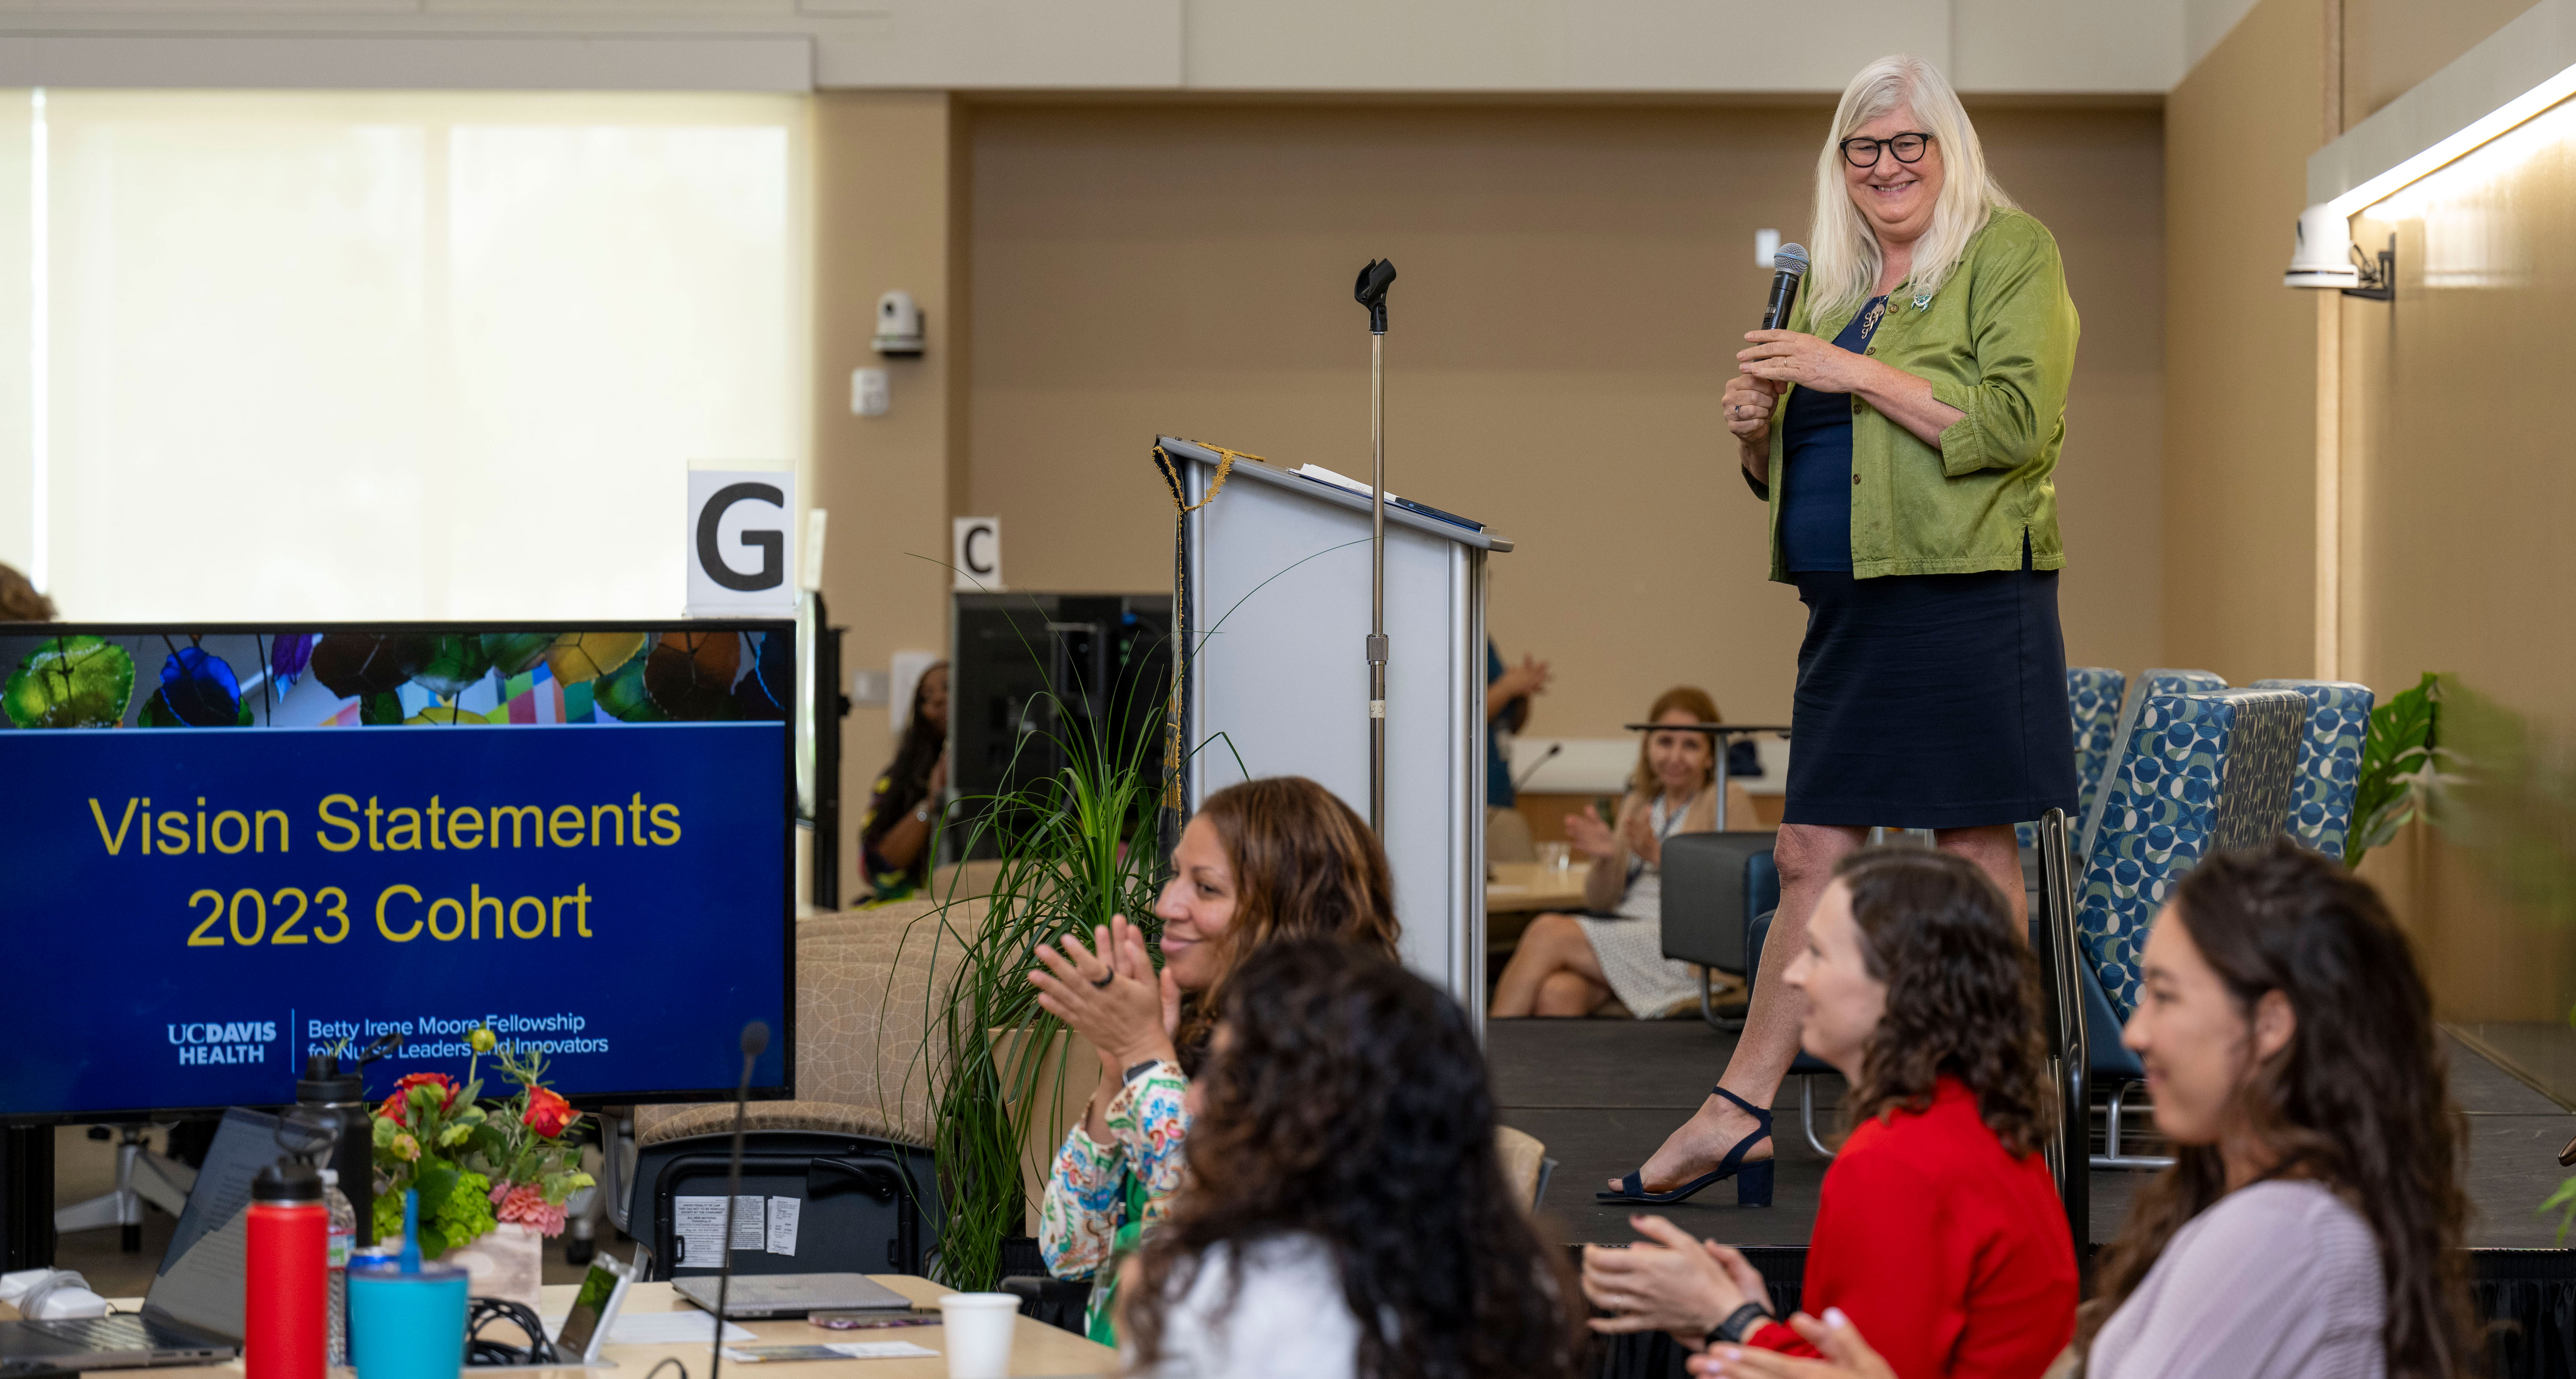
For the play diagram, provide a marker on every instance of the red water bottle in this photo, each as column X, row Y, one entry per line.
column 284, row 1312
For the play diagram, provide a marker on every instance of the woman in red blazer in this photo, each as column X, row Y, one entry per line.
column 1940, row 1234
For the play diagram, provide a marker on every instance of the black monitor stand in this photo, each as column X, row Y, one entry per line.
column 26, row 1197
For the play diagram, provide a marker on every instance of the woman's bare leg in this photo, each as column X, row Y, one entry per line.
column 1552, row 945
column 1997, row 853
column 1805, row 855
column 1571, row 995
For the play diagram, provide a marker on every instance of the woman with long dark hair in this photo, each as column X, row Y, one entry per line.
column 1347, row 1214
column 894, row 833
column 1939, row 1227
column 1267, row 859
column 2310, row 1225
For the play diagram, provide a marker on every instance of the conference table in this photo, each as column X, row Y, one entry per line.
column 1533, row 887
column 1036, row 1348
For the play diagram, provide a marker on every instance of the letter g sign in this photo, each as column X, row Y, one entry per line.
column 740, row 530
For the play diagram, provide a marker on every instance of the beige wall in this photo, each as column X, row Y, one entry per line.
column 2448, row 548
column 1574, row 282
column 2389, row 45
column 2241, row 356
column 884, row 190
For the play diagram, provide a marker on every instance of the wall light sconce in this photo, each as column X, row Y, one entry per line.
column 2325, row 256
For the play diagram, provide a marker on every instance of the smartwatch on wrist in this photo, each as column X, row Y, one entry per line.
column 1740, row 1323
column 1139, row 1070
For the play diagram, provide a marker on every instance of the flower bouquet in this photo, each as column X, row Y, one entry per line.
column 493, row 1178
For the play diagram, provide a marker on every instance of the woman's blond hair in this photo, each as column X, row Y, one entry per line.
column 1692, row 700
column 1845, row 253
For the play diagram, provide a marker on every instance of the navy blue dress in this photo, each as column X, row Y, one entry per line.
column 1924, row 701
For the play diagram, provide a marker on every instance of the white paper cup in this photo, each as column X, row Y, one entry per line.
column 977, row 1327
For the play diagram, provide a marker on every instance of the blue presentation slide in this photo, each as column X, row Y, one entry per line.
column 189, row 914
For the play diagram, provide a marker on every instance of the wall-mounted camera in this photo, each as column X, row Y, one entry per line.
column 899, row 324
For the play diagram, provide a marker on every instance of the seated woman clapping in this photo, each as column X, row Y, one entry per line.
column 1940, row 1232
column 1280, row 857
column 1346, row 1215
column 2310, row 1225
column 1574, row 964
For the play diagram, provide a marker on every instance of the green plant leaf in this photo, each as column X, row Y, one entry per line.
column 70, row 682
column 2395, row 754
column 435, row 1181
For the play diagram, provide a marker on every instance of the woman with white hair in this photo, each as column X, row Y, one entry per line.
column 1903, row 430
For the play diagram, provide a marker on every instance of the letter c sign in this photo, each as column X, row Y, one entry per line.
column 741, row 543
column 976, row 555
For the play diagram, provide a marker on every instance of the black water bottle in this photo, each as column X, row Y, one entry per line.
column 344, row 1095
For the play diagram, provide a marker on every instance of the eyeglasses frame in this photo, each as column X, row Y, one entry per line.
column 1844, row 148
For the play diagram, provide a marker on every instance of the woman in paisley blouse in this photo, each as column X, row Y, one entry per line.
column 1267, row 859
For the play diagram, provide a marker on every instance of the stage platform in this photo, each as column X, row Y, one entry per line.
column 1601, row 1094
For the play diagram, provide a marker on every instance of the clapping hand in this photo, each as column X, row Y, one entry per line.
column 1668, row 1282
column 1847, row 1356
column 1109, row 993
column 1591, row 837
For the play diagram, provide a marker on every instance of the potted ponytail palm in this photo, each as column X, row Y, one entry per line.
column 1075, row 848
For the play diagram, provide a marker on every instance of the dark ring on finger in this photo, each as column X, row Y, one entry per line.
column 1106, row 979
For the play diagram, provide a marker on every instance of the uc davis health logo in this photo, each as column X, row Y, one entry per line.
column 235, row 1041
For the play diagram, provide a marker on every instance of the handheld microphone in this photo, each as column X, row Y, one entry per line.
column 1791, row 266
column 755, row 1042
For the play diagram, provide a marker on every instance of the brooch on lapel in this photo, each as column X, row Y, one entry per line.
column 1922, row 301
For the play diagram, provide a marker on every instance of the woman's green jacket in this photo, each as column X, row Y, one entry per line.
column 1997, row 341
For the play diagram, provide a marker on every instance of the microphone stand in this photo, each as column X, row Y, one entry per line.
column 1370, row 292
column 755, row 1040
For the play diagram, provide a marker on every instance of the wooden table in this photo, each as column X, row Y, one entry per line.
column 1529, row 887
column 1036, row 1348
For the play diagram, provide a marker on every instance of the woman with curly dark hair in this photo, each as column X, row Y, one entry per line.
column 1939, row 1231
column 1280, row 857
column 1346, row 1214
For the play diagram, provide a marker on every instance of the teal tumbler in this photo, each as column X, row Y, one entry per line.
column 407, row 1326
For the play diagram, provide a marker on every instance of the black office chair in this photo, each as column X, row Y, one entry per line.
column 1713, row 885
column 866, row 1205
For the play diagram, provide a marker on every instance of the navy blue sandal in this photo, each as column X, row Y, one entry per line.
column 1752, row 1180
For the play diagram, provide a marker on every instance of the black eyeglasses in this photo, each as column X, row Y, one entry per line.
column 1863, row 153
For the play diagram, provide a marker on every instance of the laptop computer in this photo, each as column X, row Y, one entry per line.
column 193, row 1313
column 791, row 1295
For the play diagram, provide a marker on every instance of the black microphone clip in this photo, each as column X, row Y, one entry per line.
column 1370, row 292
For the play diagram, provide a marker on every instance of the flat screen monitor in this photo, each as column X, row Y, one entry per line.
column 225, row 848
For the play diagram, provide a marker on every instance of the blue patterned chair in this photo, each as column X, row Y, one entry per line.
column 2198, row 773
column 2093, row 709
column 2152, row 682
column 2329, row 760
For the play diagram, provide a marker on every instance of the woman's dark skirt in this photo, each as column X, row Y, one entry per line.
column 1930, row 701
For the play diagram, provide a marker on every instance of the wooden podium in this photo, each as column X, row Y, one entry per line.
column 1272, row 606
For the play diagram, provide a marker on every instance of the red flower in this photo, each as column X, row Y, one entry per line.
column 394, row 1105
column 548, row 1114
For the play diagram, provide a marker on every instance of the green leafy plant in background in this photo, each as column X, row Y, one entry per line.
column 2397, row 767
column 1075, row 848
column 70, row 682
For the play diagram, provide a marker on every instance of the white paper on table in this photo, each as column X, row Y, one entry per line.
column 881, row 1350
column 750, row 1222
column 661, row 1328
column 783, row 1212
column 699, row 1223
column 824, row 1350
